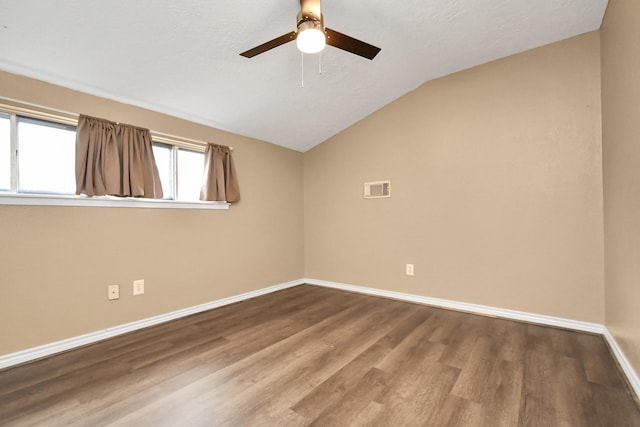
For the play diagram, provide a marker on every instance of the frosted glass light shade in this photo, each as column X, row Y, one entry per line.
column 311, row 40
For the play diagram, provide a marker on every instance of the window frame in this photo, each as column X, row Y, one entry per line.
column 15, row 197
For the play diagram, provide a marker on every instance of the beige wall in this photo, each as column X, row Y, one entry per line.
column 497, row 199
column 621, row 155
column 496, row 188
column 56, row 262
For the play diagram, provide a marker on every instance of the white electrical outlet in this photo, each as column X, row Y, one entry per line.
column 114, row 292
column 138, row 287
column 409, row 270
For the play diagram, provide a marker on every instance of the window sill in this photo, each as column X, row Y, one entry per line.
column 104, row 201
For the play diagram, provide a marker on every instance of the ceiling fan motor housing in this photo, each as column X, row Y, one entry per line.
column 308, row 22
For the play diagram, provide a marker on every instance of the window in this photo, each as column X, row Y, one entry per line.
column 163, row 154
column 180, row 171
column 46, row 157
column 42, row 168
column 189, row 174
column 44, row 161
column 5, row 153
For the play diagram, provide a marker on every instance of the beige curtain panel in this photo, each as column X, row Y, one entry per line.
column 220, row 181
column 115, row 159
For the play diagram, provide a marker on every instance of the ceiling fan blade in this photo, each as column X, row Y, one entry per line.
column 285, row 38
column 345, row 42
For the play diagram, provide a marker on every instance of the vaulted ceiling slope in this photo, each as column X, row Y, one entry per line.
column 182, row 57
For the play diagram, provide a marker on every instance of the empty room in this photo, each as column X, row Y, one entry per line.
column 293, row 213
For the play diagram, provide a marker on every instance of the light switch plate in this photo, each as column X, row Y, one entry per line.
column 138, row 287
column 409, row 270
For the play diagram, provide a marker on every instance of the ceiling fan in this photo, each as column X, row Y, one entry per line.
column 312, row 36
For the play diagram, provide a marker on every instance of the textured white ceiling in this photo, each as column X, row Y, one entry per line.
column 181, row 57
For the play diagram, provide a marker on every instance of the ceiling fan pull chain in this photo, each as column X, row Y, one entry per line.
column 302, row 70
column 319, row 62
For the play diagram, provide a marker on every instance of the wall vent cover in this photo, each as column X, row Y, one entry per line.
column 377, row 189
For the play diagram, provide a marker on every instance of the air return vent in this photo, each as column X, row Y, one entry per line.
column 377, row 189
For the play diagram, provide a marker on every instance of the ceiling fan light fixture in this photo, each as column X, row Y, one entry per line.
column 311, row 38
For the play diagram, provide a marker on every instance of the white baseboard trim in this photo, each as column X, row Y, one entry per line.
column 470, row 308
column 628, row 370
column 39, row 352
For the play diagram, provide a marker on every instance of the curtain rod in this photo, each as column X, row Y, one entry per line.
column 183, row 139
column 66, row 115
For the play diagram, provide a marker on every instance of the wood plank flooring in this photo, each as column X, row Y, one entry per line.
column 322, row 357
